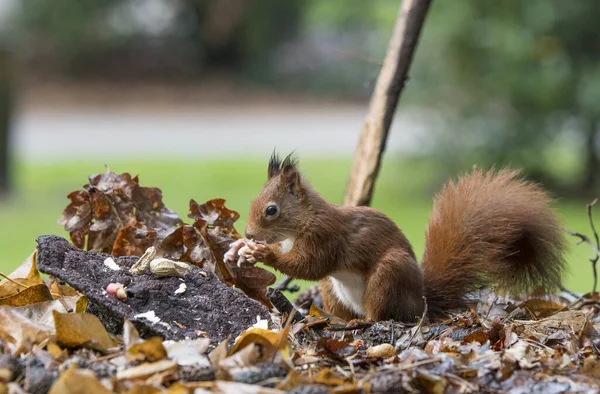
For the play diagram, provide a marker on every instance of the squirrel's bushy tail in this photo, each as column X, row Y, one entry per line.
column 490, row 229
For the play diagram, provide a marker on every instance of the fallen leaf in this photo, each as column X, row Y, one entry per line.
column 143, row 388
column 188, row 352
column 271, row 340
column 81, row 304
column 147, row 369
column 75, row 330
column 20, row 333
column 28, row 296
column 131, row 336
column 76, row 381
column 318, row 313
column 151, row 349
column 111, row 210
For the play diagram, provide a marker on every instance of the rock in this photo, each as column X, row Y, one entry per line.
column 208, row 305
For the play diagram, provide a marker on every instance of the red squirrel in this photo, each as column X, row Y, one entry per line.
column 486, row 229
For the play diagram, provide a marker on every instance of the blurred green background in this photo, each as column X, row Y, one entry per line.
column 193, row 95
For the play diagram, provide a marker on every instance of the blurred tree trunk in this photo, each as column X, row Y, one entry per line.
column 5, row 121
column 592, row 160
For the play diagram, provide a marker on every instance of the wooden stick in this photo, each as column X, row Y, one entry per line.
column 384, row 100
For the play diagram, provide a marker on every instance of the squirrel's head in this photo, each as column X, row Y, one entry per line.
column 277, row 212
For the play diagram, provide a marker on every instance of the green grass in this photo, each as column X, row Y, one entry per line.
column 401, row 192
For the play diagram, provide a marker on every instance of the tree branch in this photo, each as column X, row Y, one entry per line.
column 384, row 101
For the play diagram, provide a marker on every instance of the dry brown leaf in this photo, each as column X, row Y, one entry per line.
column 76, row 381
column 214, row 213
column 150, row 350
column 178, row 389
column 23, row 277
column 131, row 336
column 19, row 333
column 27, row 269
column 318, row 313
column 30, row 295
column 56, row 352
column 270, row 339
column 248, row 356
column 110, row 203
column 574, row 320
column 328, row 377
column 133, row 241
column 75, row 330
column 253, row 281
column 147, row 369
column 142, row 388
column 59, row 291
column 217, row 355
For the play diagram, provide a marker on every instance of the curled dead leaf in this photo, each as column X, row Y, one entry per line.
column 75, row 330
column 150, row 350
column 75, row 381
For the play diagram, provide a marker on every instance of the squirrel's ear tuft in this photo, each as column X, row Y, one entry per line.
column 274, row 165
column 289, row 176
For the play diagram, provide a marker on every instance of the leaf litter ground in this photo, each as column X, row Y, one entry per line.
column 208, row 336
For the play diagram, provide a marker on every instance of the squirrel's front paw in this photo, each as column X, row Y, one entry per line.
column 254, row 252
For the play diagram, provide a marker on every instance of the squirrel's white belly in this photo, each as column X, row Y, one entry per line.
column 349, row 288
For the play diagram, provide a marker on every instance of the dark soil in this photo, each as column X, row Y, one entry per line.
column 207, row 305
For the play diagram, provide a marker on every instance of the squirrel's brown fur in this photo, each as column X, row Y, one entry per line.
column 486, row 229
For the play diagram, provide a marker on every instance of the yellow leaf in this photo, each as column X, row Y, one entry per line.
column 59, row 291
column 56, row 352
column 27, row 270
column 178, row 388
column 75, row 381
column 15, row 286
column 316, row 312
column 81, row 304
column 81, row 330
column 31, row 295
column 278, row 340
column 141, row 388
column 151, row 349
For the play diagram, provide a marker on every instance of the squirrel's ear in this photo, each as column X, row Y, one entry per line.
column 289, row 178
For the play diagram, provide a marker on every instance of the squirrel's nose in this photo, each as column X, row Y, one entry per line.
column 249, row 235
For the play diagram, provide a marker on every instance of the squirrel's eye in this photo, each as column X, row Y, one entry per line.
column 271, row 210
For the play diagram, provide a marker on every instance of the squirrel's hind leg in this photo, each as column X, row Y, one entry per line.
column 395, row 288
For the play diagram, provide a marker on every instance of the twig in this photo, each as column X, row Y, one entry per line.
column 420, row 321
column 284, row 285
column 584, row 239
column 357, row 326
column 13, row 281
column 594, row 260
column 384, row 101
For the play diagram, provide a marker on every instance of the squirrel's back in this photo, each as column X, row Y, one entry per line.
column 490, row 229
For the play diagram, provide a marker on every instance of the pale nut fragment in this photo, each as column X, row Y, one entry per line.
column 165, row 267
column 143, row 264
column 385, row 350
column 121, row 294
